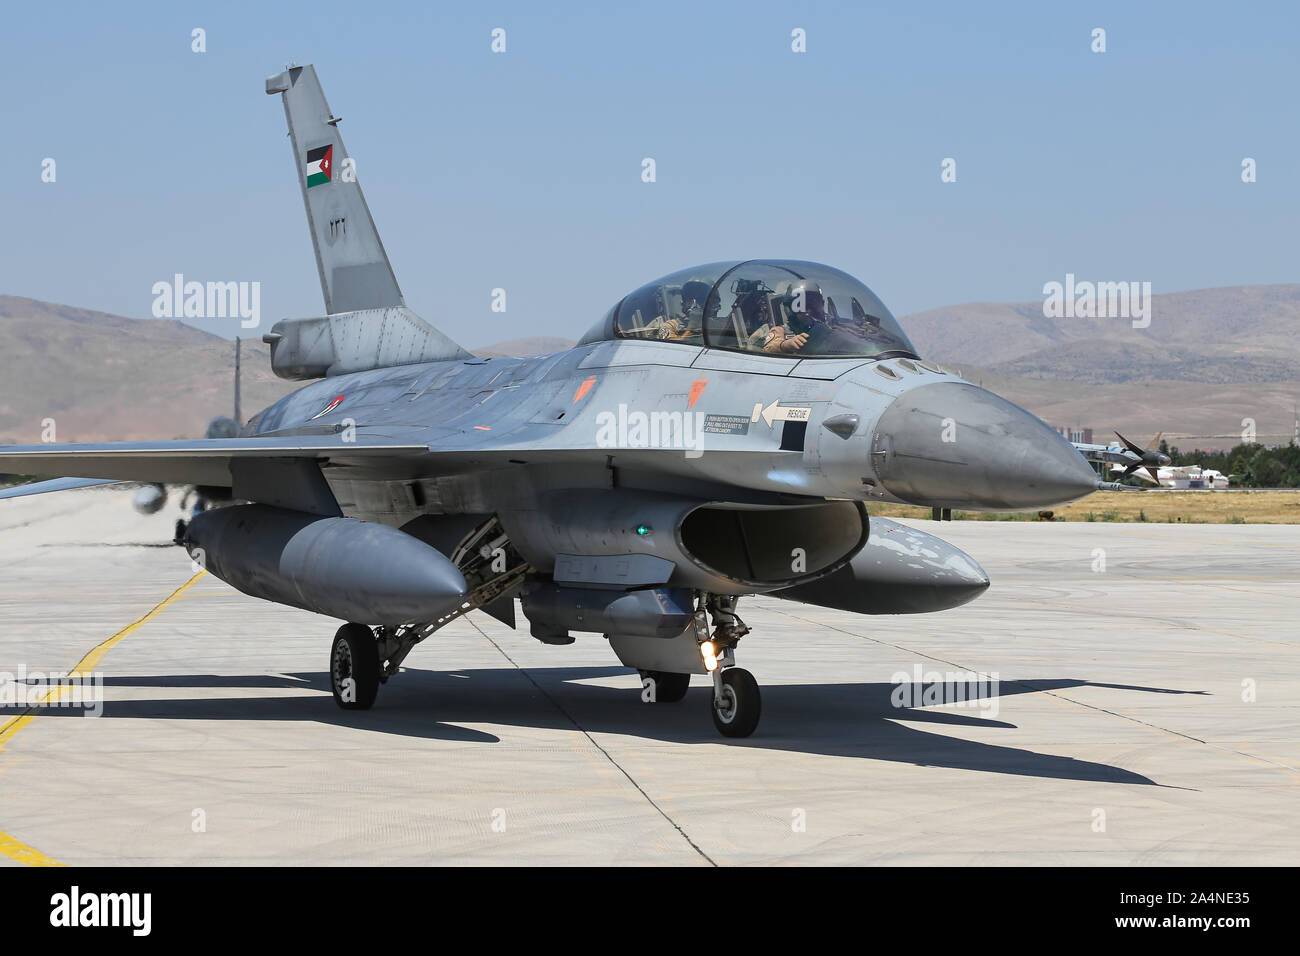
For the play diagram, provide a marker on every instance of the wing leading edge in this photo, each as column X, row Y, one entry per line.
column 54, row 484
column 196, row 462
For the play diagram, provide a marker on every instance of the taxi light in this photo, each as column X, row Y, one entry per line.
column 710, row 655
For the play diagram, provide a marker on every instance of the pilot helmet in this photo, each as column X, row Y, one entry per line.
column 694, row 291
column 804, row 299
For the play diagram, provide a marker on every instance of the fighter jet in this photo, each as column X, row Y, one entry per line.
column 1129, row 458
column 719, row 432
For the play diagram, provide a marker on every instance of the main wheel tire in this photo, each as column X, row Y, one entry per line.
column 669, row 687
column 741, row 704
column 354, row 667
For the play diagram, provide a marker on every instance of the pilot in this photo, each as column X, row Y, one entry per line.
column 805, row 307
column 689, row 325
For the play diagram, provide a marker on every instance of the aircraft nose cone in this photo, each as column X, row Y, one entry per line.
column 955, row 445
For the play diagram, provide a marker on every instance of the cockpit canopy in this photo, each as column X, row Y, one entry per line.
column 771, row 306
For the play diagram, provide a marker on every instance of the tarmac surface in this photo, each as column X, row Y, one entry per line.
column 1147, row 711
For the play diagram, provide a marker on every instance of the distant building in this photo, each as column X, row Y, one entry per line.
column 1082, row 435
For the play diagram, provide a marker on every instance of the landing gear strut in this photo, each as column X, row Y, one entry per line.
column 363, row 657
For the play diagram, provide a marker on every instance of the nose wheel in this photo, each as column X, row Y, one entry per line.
column 736, row 702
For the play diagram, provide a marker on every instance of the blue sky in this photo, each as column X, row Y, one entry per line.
column 522, row 170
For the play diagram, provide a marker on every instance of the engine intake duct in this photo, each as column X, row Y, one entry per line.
column 554, row 610
column 354, row 570
column 628, row 539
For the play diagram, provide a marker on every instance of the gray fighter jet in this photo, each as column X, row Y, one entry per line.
column 719, row 432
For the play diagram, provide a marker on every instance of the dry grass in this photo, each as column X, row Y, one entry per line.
column 1188, row 507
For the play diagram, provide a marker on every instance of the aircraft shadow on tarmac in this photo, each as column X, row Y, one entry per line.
column 847, row 720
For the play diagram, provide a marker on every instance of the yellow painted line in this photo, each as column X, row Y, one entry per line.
column 87, row 663
column 97, row 653
column 16, row 849
column 23, row 853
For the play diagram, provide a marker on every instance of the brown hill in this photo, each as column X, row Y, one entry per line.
column 1235, row 334
column 1209, row 359
column 104, row 377
column 1191, row 414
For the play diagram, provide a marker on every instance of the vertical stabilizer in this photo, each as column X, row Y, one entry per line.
column 367, row 324
column 354, row 270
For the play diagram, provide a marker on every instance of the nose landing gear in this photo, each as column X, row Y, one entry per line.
column 736, row 704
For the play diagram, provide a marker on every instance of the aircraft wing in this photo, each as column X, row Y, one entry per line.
column 197, row 462
column 54, row 484
column 219, row 462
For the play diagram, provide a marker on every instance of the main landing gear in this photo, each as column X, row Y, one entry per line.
column 663, row 687
column 363, row 657
column 354, row 667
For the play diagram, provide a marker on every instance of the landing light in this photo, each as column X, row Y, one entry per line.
column 710, row 654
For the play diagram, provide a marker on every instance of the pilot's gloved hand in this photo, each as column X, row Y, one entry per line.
column 670, row 329
column 778, row 341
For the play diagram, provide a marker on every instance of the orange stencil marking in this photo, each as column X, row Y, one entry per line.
column 697, row 389
column 584, row 388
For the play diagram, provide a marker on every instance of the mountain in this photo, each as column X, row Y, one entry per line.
column 1237, row 334
column 1191, row 414
column 104, row 377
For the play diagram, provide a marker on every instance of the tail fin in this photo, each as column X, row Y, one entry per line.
column 354, row 269
column 367, row 324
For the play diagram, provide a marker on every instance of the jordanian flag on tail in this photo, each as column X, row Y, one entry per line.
column 320, row 165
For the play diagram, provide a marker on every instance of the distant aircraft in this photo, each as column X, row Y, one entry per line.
column 718, row 433
column 1186, row 477
column 1153, row 465
column 1128, row 457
